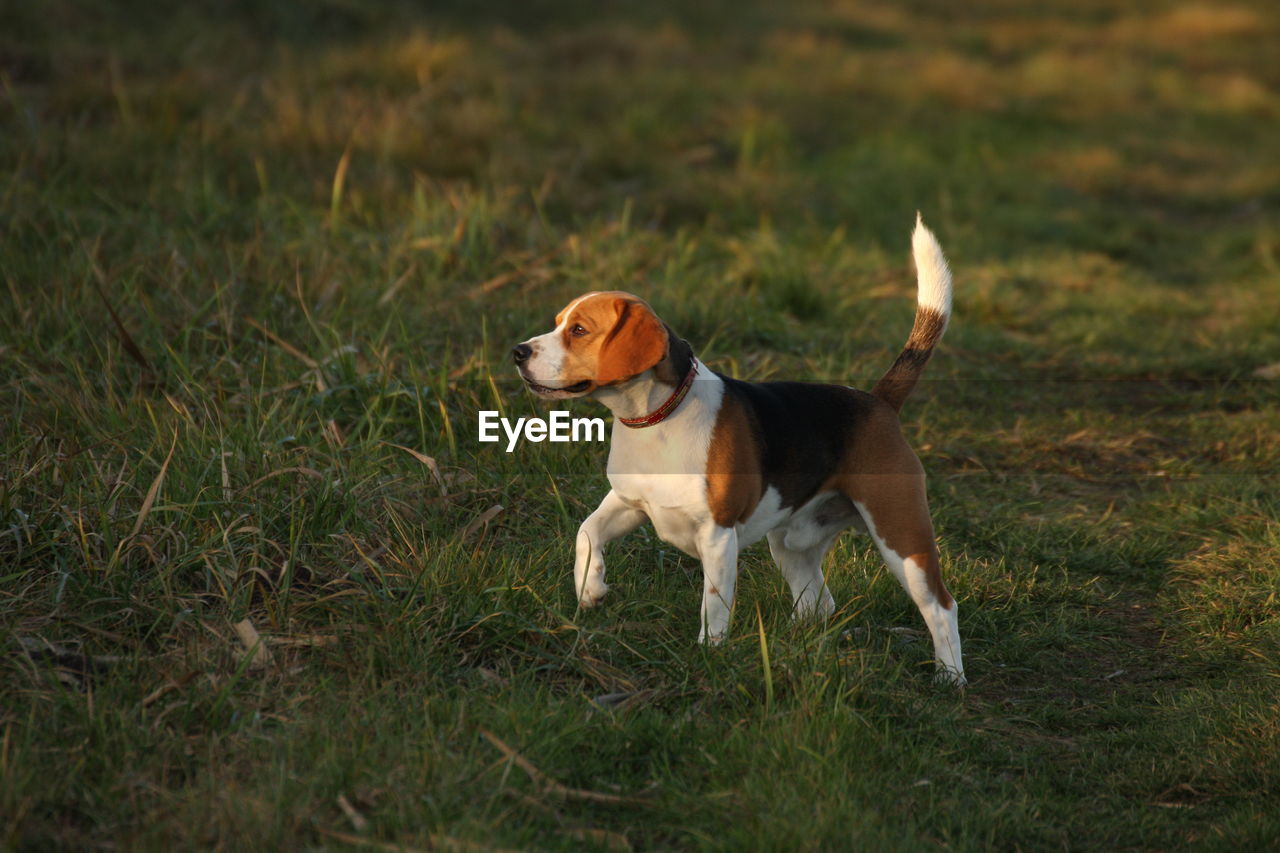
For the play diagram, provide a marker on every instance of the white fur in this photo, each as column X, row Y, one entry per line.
column 547, row 361
column 933, row 274
column 941, row 621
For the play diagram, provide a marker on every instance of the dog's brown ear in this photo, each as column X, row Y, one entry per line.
column 637, row 342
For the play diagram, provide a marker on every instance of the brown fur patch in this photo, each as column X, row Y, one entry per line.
column 735, row 482
column 621, row 338
column 636, row 343
column 900, row 379
column 882, row 473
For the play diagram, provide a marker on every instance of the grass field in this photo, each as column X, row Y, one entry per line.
column 262, row 263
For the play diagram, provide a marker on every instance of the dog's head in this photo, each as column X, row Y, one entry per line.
column 600, row 339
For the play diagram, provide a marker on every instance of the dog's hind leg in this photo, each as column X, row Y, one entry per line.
column 896, row 512
column 802, row 568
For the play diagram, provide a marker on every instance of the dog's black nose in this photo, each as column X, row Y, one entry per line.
column 520, row 353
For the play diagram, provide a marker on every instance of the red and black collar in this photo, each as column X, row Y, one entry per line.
column 661, row 413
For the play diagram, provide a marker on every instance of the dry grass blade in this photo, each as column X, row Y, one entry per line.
column 168, row 687
column 227, row 494
column 1268, row 371
column 429, row 461
column 534, row 272
column 358, row 821
column 479, row 522
column 307, row 640
column 459, row 230
column 623, row 700
column 396, row 285
column 462, row 370
column 600, row 838
column 253, row 644
column 154, row 491
column 498, row 281
column 178, row 406
column 339, row 180
column 283, row 344
column 611, row 678
column 296, row 469
column 548, row 785
column 333, row 434
column 126, row 340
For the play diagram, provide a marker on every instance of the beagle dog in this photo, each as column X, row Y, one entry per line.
column 717, row 463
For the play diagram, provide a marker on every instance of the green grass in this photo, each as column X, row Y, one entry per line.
column 322, row 226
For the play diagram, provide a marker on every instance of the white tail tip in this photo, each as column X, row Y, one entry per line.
column 931, row 269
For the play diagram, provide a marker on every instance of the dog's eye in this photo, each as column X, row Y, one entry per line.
column 577, row 331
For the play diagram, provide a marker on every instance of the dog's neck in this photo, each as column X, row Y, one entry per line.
column 647, row 400
column 636, row 397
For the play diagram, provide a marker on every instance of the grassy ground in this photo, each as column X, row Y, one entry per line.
column 261, row 265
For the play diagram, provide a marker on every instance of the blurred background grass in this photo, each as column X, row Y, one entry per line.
column 252, row 251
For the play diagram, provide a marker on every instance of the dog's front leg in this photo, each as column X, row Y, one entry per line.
column 613, row 518
column 718, row 548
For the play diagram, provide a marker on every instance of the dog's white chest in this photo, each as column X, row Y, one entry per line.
column 676, row 527
column 676, row 504
column 662, row 470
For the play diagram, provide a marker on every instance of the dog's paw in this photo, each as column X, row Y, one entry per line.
column 949, row 677
column 592, row 593
column 821, row 607
column 705, row 639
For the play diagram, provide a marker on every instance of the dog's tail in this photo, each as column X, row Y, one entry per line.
column 933, row 309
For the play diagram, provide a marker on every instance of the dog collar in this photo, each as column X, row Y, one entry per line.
column 661, row 413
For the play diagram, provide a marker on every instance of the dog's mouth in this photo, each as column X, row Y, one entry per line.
column 574, row 390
